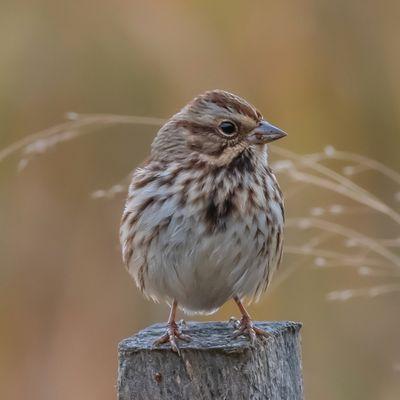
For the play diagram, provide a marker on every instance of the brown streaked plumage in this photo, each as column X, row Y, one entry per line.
column 203, row 221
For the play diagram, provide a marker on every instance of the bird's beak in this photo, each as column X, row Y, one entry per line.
column 265, row 133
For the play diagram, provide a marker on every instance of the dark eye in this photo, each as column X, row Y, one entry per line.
column 227, row 128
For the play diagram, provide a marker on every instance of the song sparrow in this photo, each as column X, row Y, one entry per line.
column 203, row 221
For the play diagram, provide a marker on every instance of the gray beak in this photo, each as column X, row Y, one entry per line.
column 265, row 133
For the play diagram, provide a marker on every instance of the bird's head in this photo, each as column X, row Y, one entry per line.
column 216, row 126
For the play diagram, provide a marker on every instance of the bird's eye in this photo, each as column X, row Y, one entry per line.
column 228, row 128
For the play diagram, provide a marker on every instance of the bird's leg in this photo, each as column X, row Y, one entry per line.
column 245, row 325
column 173, row 332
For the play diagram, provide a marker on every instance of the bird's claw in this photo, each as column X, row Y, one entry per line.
column 182, row 323
column 171, row 335
column 246, row 327
column 234, row 322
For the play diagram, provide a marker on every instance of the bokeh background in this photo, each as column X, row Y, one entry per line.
column 325, row 71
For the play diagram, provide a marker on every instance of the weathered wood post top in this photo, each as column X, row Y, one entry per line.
column 213, row 365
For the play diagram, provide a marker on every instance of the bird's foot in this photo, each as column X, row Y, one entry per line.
column 246, row 327
column 171, row 335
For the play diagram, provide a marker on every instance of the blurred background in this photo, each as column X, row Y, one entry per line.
column 326, row 72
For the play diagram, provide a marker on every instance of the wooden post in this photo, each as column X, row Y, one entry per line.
column 213, row 366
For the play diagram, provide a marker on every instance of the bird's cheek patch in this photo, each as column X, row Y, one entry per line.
column 208, row 147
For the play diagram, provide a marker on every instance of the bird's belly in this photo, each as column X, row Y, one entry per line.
column 202, row 269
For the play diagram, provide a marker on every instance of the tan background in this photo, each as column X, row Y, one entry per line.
column 325, row 71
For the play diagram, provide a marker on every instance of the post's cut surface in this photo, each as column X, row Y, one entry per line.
column 213, row 365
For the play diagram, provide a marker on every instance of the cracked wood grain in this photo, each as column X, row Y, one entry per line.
column 213, row 365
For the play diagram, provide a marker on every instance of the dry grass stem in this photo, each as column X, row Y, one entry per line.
column 304, row 170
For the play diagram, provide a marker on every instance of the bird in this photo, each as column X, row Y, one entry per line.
column 204, row 217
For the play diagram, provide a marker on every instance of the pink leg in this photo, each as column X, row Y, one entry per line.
column 245, row 325
column 173, row 332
